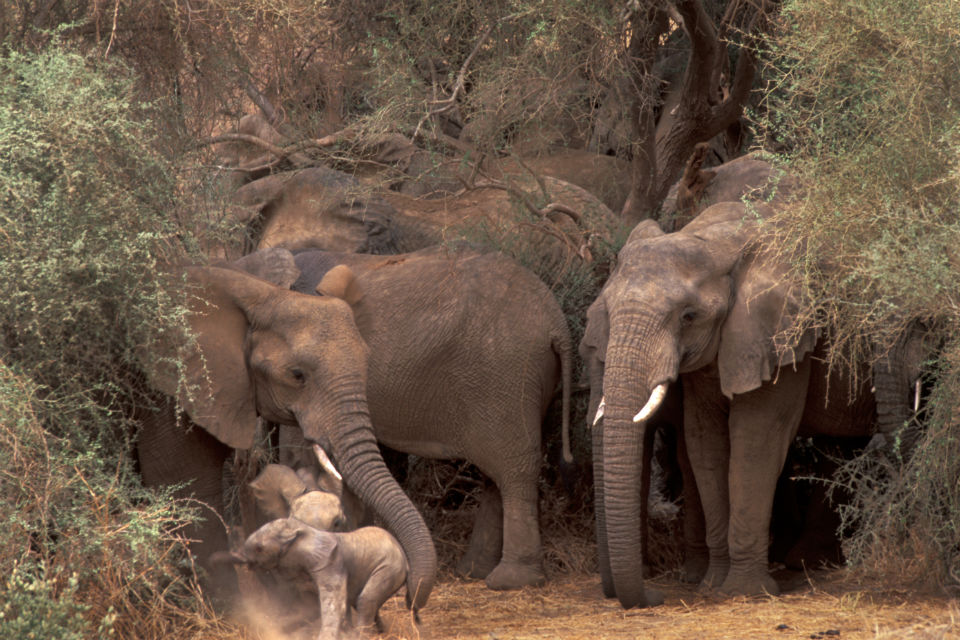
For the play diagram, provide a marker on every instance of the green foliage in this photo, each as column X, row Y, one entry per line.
column 865, row 107
column 35, row 610
column 87, row 224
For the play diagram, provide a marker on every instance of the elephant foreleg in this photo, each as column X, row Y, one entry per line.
column 170, row 452
column 708, row 447
column 762, row 425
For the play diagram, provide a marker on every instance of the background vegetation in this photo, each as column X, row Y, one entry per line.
column 87, row 208
column 863, row 104
column 109, row 173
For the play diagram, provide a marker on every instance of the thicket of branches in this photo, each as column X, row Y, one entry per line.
column 864, row 104
column 88, row 216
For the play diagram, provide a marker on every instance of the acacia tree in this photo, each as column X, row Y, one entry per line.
column 465, row 79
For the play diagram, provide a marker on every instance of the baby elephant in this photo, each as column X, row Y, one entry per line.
column 359, row 569
column 281, row 492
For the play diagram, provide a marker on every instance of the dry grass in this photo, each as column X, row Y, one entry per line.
column 573, row 608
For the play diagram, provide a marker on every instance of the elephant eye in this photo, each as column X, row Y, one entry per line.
column 688, row 317
column 298, row 375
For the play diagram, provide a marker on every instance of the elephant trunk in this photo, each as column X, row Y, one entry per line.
column 631, row 376
column 364, row 471
column 892, row 396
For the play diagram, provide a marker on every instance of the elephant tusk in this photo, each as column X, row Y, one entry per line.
column 326, row 463
column 916, row 396
column 652, row 404
column 600, row 408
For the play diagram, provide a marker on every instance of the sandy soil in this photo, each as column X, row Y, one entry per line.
column 823, row 606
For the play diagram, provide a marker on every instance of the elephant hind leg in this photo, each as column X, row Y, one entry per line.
column 521, row 563
column 383, row 583
column 486, row 540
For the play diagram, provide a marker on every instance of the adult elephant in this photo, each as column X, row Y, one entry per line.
column 549, row 221
column 466, row 352
column 708, row 308
column 263, row 350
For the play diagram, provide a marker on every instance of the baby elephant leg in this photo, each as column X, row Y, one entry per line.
column 383, row 583
column 331, row 585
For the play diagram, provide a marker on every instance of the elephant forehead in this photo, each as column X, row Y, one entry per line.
column 670, row 263
column 300, row 317
column 315, row 500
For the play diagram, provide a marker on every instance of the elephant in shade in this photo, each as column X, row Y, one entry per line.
column 551, row 222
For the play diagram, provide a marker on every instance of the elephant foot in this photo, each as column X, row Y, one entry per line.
column 475, row 566
column 750, row 584
column 694, row 568
column 714, row 576
column 515, row 576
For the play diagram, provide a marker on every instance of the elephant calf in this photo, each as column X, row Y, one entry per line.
column 360, row 569
column 280, row 492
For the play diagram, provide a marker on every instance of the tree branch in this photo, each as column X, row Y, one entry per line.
column 448, row 103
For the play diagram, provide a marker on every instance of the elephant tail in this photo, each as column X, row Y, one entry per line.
column 563, row 347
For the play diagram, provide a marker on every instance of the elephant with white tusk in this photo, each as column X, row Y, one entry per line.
column 709, row 309
column 467, row 352
column 263, row 351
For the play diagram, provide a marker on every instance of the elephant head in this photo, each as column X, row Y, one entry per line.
column 698, row 299
column 897, row 384
column 293, row 359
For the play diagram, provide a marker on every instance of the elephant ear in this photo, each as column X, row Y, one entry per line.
column 340, row 282
column 215, row 388
column 275, row 488
column 759, row 335
column 275, row 265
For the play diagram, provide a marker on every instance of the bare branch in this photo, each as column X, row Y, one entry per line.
column 448, row 103
column 244, row 137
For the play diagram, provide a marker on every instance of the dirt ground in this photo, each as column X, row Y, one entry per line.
column 824, row 605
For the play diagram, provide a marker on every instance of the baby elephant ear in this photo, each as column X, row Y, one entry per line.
column 340, row 282
column 323, row 550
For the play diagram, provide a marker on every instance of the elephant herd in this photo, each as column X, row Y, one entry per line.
column 454, row 353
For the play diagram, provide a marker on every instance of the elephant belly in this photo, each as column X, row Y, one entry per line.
column 832, row 410
column 423, row 448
